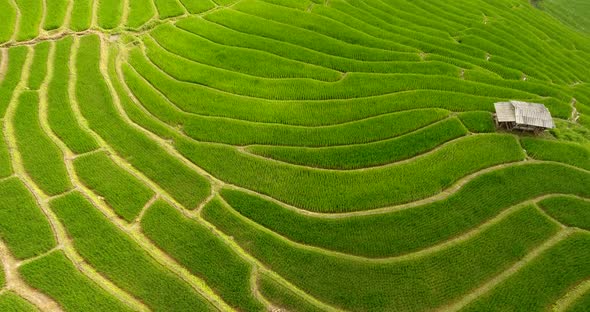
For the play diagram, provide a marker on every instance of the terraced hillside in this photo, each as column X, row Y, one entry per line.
column 292, row 155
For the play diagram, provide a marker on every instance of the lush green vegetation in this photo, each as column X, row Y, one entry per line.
column 581, row 304
column 109, row 13
column 31, row 13
column 42, row 160
column 569, row 211
column 573, row 132
column 283, row 297
column 401, row 232
column 329, row 191
column 5, row 166
column 120, row 189
column 478, row 122
column 81, row 15
column 195, row 7
column 139, row 13
column 370, row 154
column 203, row 253
column 569, row 153
column 544, row 280
column 39, row 66
column 302, row 155
column 243, row 133
column 55, row 15
column 8, row 16
column 116, row 256
column 376, row 285
column 23, row 227
column 96, row 104
column 11, row 302
column 570, row 12
column 56, row 276
column 60, row 113
column 16, row 60
column 168, row 8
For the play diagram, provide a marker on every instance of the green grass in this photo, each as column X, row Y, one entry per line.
column 306, row 38
column 236, row 59
column 203, row 253
column 581, row 304
column 569, row 153
column 55, row 14
column 96, row 104
column 282, row 296
column 60, row 113
column 329, row 191
column 544, row 280
column 118, row 258
column 198, row 6
column 11, row 302
column 413, row 284
column 406, row 231
column 243, row 133
column 291, row 89
column 42, row 159
column 57, row 277
column 39, row 66
column 478, row 122
column 121, row 190
column 569, row 12
column 109, row 13
column 567, row 131
column 168, row 8
column 16, row 60
column 189, row 97
column 5, row 164
column 231, row 38
column 327, row 106
column 139, row 13
column 370, row 154
column 31, row 13
column 81, row 15
column 8, row 16
column 23, row 226
column 569, row 211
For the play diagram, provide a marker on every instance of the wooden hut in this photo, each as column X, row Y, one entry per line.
column 523, row 116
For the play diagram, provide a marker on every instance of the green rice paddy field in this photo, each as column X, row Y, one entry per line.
column 292, row 155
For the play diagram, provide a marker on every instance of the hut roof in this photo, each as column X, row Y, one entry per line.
column 505, row 112
column 523, row 113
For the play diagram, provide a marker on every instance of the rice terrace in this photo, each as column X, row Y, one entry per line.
column 295, row 155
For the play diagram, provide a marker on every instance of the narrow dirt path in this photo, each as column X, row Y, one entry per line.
column 124, row 14
column 42, row 199
column 40, row 300
column 575, row 114
column 41, row 31
column 68, row 17
column 94, row 19
column 572, row 296
column 15, row 283
column 178, row 109
column 134, row 233
column 63, row 239
column 421, row 253
column 3, row 63
column 491, row 284
column 195, row 214
column 437, row 197
column 17, row 20
column 256, row 292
